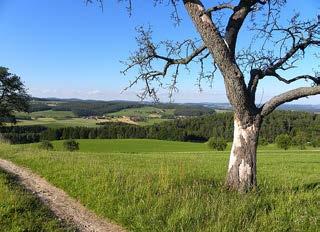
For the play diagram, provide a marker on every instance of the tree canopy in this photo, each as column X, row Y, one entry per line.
column 13, row 96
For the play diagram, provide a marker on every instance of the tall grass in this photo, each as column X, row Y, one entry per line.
column 169, row 191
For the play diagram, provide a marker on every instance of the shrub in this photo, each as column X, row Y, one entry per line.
column 46, row 145
column 315, row 142
column 300, row 140
column 218, row 144
column 263, row 142
column 283, row 141
column 71, row 145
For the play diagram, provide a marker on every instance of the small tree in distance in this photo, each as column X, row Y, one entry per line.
column 218, row 144
column 315, row 142
column 300, row 140
column 283, row 141
column 46, row 145
column 71, row 145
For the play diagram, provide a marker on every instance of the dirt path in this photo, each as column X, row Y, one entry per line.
column 59, row 202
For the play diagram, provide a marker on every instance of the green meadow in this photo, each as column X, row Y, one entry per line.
column 56, row 123
column 147, row 111
column 48, row 114
column 151, row 145
column 134, row 146
column 158, row 188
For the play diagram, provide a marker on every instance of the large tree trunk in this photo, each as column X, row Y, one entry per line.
column 242, row 165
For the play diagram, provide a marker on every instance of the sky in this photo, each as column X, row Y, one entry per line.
column 65, row 49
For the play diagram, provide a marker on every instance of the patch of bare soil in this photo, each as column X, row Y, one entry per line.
column 63, row 206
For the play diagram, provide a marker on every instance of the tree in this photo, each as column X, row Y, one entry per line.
column 71, row 145
column 13, row 95
column 274, row 49
column 283, row 141
column 218, row 144
column 300, row 140
column 45, row 145
column 315, row 142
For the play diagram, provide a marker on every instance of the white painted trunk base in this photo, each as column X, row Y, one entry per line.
column 242, row 163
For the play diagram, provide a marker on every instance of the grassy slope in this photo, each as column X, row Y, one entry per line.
column 54, row 123
column 143, row 111
column 184, row 191
column 55, row 119
column 20, row 211
column 48, row 114
column 52, row 114
column 152, row 113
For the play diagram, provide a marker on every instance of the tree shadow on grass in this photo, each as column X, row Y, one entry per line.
column 308, row 187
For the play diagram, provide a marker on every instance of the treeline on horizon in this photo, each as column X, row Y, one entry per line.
column 86, row 108
column 196, row 129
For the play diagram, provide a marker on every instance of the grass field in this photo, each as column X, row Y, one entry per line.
column 20, row 211
column 48, row 114
column 55, row 119
column 147, row 111
column 153, row 115
column 134, row 146
column 55, row 123
column 150, row 145
column 73, row 122
column 183, row 191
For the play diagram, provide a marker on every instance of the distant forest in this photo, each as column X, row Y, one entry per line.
column 87, row 108
column 186, row 129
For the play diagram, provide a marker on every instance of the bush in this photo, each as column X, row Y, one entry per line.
column 283, row 141
column 46, row 145
column 218, row 144
column 315, row 142
column 300, row 140
column 263, row 142
column 71, row 145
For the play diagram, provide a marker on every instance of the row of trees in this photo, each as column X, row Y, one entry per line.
column 21, row 134
column 284, row 141
column 199, row 129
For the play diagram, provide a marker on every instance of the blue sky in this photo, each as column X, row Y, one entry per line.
column 63, row 48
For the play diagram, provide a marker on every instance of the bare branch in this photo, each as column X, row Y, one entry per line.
column 220, row 7
column 100, row 2
column 152, row 66
column 291, row 95
column 315, row 80
column 295, row 48
column 291, row 42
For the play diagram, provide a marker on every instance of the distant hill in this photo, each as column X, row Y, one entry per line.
column 73, row 104
column 291, row 107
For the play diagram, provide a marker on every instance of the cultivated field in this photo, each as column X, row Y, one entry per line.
column 166, row 190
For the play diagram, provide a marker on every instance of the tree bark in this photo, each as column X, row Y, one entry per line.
column 242, row 164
